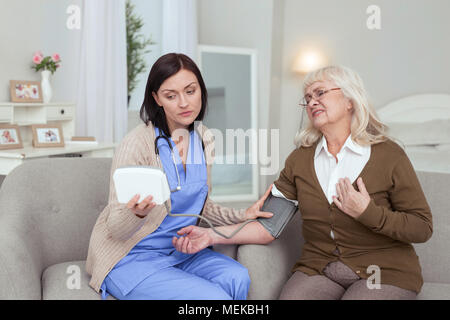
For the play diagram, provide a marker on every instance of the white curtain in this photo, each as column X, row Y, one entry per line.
column 102, row 87
column 179, row 27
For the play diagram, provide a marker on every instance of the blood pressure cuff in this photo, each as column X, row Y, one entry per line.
column 283, row 210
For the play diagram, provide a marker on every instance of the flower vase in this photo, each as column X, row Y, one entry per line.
column 46, row 86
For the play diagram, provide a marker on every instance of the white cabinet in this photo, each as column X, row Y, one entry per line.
column 60, row 112
column 6, row 114
column 26, row 114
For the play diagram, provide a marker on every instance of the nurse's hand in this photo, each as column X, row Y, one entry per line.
column 193, row 240
column 254, row 211
column 141, row 209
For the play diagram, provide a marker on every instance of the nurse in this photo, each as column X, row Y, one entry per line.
column 131, row 254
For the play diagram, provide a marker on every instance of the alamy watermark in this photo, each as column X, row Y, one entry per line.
column 73, row 281
column 374, row 281
column 237, row 146
column 373, row 22
column 73, row 21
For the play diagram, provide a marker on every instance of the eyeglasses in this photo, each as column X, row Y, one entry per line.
column 316, row 95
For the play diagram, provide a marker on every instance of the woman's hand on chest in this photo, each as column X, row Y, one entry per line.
column 349, row 200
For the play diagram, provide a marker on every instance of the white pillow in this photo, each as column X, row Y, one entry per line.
column 432, row 132
column 443, row 147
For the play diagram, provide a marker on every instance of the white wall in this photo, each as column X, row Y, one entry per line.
column 276, row 76
column 29, row 26
column 246, row 24
column 409, row 55
column 151, row 13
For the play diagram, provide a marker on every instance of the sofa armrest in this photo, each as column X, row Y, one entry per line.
column 20, row 268
column 269, row 266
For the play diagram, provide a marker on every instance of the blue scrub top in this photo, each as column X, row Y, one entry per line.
column 155, row 251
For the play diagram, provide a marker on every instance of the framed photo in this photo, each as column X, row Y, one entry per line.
column 47, row 135
column 10, row 137
column 25, row 91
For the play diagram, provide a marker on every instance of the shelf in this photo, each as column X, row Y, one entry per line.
column 28, row 151
column 55, row 113
column 30, row 104
column 27, row 123
column 26, row 114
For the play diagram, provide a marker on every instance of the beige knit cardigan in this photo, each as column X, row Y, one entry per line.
column 117, row 229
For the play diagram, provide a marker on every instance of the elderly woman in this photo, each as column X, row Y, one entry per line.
column 360, row 200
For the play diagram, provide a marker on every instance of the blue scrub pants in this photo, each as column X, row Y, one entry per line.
column 207, row 275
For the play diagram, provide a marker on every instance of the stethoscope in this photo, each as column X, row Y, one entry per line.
column 178, row 188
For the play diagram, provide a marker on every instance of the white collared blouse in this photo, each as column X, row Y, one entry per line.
column 351, row 160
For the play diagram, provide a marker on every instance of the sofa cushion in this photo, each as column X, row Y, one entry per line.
column 55, row 278
column 434, row 291
column 60, row 282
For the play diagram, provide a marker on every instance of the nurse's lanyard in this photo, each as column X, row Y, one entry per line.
column 178, row 188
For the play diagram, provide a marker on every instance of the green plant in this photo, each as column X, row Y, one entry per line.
column 136, row 47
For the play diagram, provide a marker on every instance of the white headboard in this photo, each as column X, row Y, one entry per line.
column 416, row 109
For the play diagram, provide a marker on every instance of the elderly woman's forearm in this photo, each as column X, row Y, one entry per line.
column 251, row 233
column 409, row 227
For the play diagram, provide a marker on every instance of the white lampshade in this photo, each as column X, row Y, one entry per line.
column 310, row 60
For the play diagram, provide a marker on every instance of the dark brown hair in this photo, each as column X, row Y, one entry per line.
column 165, row 67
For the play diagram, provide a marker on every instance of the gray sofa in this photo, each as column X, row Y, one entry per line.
column 48, row 208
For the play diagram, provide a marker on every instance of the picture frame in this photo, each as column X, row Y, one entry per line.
column 25, row 91
column 47, row 135
column 10, row 137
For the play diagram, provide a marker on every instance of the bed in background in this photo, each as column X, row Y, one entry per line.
column 421, row 124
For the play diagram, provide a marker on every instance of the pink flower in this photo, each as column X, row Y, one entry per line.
column 37, row 58
column 56, row 57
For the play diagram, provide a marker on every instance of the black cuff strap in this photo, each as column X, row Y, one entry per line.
column 283, row 210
